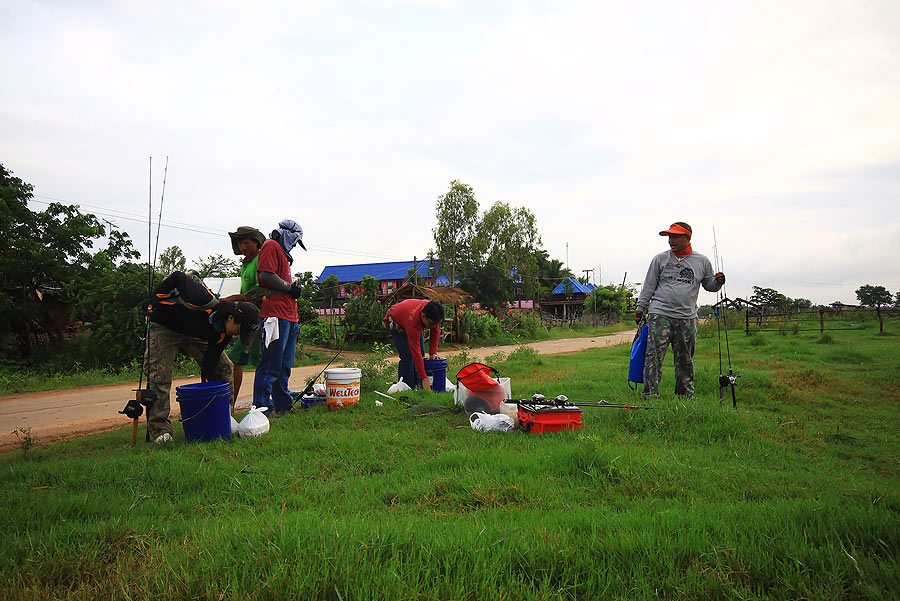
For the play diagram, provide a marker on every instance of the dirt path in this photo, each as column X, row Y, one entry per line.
column 60, row 414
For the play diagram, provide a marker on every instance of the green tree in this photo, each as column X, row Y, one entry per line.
column 607, row 302
column 873, row 296
column 505, row 244
column 218, row 266
column 897, row 301
column 769, row 297
column 47, row 254
column 363, row 314
column 329, row 290
column 37, row 252
column 550, row 272
column 308, row 292
column 106, row 291
column 508, row 237
column 457, row 221
column 171, row 259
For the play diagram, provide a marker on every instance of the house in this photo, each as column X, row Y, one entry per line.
column 567, row 299
column 392, row 276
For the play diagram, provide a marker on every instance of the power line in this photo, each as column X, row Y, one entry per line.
column 115, row 213
column 119, row 214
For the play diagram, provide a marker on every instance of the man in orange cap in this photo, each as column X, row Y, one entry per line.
column 669, row 294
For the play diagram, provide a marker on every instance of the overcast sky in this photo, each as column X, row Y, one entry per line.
column 776, row 123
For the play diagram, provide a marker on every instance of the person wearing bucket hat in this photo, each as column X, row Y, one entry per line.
column 246, row 241
column 669, row 294
column 186, row 316
column 279, row 320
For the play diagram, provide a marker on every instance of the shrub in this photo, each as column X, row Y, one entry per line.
column 375, row 367
column 315, row 332
column 480, row 327
column 363, row 314
column 524, row 324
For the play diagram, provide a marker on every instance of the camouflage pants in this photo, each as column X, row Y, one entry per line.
column 682, row 335
column 164, row 347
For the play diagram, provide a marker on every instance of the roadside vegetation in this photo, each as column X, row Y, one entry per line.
column 795, row 495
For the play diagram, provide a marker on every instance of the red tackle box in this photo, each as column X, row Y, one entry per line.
column 542, row 418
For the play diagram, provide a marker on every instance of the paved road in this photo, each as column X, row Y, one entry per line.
column 59, row 414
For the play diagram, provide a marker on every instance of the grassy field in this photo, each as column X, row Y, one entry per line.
column 794, row 496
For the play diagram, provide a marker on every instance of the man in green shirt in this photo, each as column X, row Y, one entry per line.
column 245, row 241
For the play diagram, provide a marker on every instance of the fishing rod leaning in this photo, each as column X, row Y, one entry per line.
column 144, row 397
column 729, row 380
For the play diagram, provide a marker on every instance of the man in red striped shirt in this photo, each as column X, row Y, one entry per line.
column 407, row 321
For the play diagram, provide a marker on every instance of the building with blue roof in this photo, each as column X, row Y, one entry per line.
column 392, row 275
column 567, row 305
column 577, row 287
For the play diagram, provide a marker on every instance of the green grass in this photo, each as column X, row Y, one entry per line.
column 794, row 496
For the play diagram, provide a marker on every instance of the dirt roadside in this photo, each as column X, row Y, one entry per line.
column 61, row 414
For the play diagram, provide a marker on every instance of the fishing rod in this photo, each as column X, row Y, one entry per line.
column 725, row 381
column 145, row 397
column 563, row 401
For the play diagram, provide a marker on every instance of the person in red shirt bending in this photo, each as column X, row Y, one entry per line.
column 278, row 318
column 406, row 321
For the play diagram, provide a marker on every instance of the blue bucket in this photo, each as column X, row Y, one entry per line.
column 205, row 410
column 438, row 369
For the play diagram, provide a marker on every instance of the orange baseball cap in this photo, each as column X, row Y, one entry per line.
column 678, row 228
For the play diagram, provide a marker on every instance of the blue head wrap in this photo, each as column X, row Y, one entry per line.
column 288, row 234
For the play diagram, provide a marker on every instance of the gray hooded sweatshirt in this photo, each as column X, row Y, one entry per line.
column 672, row 286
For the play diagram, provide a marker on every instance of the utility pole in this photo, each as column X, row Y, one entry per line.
column 415, row 271
column 585, row 271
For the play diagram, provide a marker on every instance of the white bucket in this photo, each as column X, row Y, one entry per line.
column 342, row 386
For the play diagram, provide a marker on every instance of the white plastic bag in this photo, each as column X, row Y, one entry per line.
column 400, row 386
column 234, row 426
column 449, row 386
column 485, row 422
column 254, row 423
column 319, row 388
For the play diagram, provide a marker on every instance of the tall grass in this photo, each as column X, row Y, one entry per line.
column 795, row 495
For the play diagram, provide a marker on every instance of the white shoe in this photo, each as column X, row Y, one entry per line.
column 163, row 438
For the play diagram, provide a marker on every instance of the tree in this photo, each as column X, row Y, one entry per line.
column 873, row 296
column 800, row 304
column 329, row 290
column 308, row 291
column 457, row 220
column 37, row 253
column 171, row 259
column 897, row 301
column 550, row 272
column 608, row 302
column 363, row 313
column 507, row 239
column 46, row 269
column 769, row 297
column 218, row 266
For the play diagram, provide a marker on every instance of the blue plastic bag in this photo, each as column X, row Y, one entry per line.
column 638, row 350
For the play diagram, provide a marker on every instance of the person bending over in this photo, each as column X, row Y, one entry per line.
column 407, row 321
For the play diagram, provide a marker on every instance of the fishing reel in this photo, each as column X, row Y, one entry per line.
column 539, row 399
column 143, row 397
column 729, row 380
